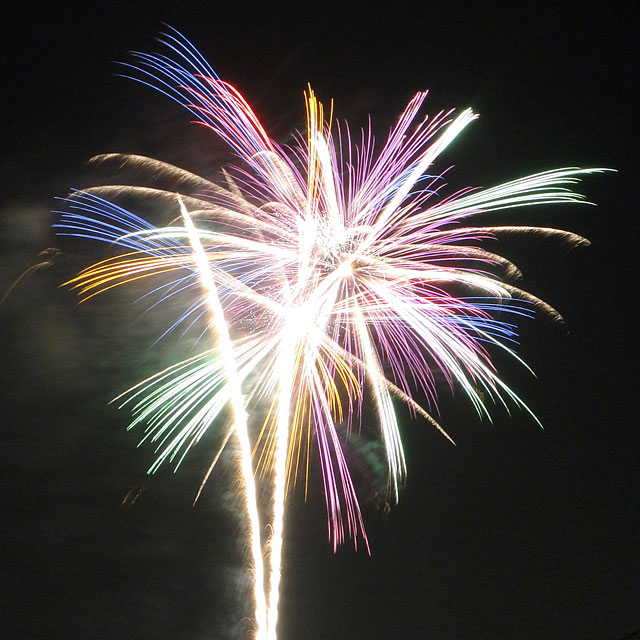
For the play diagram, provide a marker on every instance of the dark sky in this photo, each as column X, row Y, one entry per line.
column 516, row 532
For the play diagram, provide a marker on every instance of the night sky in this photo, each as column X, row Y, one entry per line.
column 516, row 532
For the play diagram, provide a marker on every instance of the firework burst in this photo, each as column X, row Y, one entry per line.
column 328, row 275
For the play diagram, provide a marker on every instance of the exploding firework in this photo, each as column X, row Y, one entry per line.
column 327, row 275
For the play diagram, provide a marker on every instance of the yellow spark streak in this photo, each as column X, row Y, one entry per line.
column 219, row 327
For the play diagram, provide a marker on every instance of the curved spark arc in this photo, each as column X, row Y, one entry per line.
column 338, row 270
